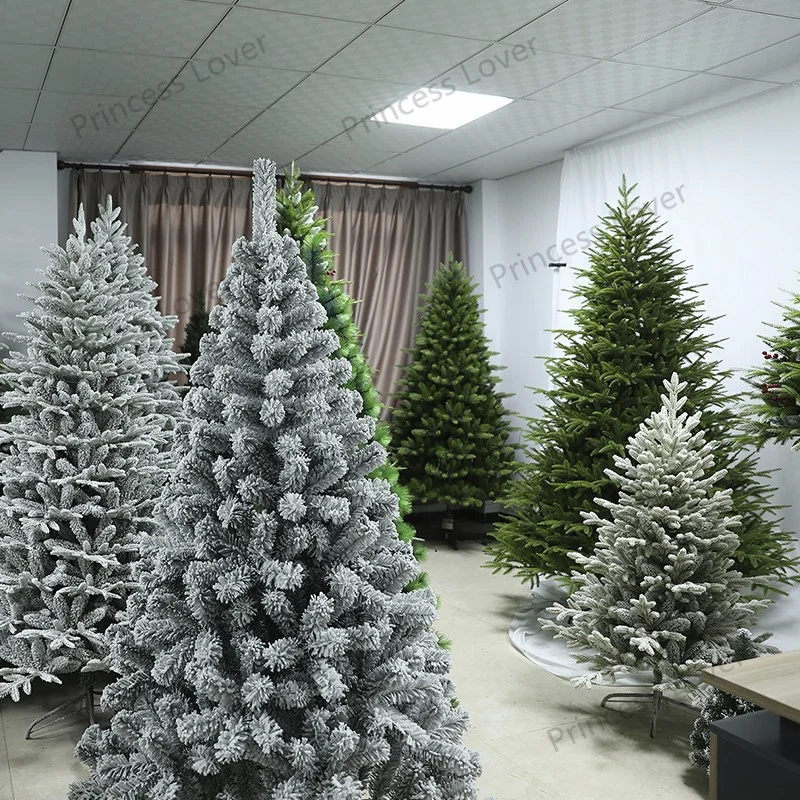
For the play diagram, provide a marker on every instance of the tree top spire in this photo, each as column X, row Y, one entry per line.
column 263, row 200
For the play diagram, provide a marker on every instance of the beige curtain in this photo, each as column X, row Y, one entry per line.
column 388, row 241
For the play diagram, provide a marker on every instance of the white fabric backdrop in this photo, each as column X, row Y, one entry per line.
column 727, row 185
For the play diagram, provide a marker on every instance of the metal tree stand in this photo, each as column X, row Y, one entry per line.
column 448, row 527
column 84, row 702
column 657, row 696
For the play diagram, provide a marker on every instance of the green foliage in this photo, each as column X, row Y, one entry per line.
column 637, row 321
column 198, row 325
column 720, row 705
column 297, row 216
column 450, row 427
column 775, row 412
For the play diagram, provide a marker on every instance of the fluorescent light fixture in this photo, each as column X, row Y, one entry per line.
column 437, row 108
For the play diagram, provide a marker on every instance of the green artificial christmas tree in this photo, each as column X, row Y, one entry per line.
column 637, row 321
column 659, row 592
column 273, row 650
column 450, row 430
column 775, row 412
column 297, row 216
column 719, row 705
column 196, row 327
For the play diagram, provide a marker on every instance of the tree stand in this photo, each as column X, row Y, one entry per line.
column 84, row 702
column 448, row 528
column 657, row 696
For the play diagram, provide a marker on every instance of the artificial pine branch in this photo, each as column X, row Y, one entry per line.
column 273, row 649
column 659, row 592
column 719, row 705
column 90, row 440
column 450, row 429
column 775, row 409
column 637, row 320
column 297, row 215
column 196, row 327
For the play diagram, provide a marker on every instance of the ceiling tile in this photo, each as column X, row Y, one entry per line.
column 413, row 165
column 31, row 21
column 788, row 8
column 94, row 144
column 510, row 72
column 509, row 161
column 715, row 38
column 352, row 98
column 353, row 10
column 285, row 41
column 363, row 149
column 243, row 86
column 480, row 21
column 17, row 104
column 211, row 124
column 391, row 54
column 388, row 137
column 606, row 122
column 603, row 28
column 710, row 90
column 276, row 132
column 781, row 62
column 118, row 74
column 333, row 157
column 165, row 147
column 735, row 92
column 608, row 84
column 82, row 113
column 12, row 134
column 513, row 123
column 150, row 27
column 23, row 66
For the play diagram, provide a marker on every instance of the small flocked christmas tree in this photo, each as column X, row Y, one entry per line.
column 88, row 455
column 775, row 414
column 719, row 705
column 273, row 650
column 297, row 216
column 638, row 320
column 659, row 594
column 154, row 344
column 450, row 430
column 196, row 327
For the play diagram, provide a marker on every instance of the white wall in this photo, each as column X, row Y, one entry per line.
column 28, row 222
column 512, row 224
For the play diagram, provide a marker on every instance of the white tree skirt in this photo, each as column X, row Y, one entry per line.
column 547, row 652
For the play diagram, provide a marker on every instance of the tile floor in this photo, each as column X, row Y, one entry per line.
column 539, row 738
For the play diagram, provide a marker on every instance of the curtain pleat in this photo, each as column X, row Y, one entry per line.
column 388, row 243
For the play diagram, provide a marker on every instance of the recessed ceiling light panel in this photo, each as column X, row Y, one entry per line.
column 440, row 108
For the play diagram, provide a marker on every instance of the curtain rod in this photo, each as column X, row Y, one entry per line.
column 248, row 173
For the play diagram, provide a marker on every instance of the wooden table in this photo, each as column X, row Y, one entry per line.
column 759, row 751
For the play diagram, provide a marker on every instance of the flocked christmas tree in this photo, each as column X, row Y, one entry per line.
column 297, row 214
column 155, row 344
column 718, row 705
column 273, row 650
column 659, row 594
column 89, row 453
column 775, row 412
column 637, row 321
column 450, row 430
